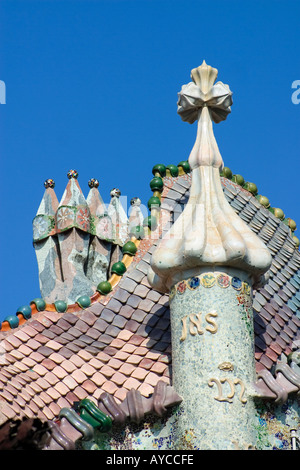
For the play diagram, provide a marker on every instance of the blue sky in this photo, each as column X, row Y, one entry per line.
column 92, row 86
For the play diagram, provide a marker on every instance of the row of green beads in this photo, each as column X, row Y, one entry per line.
column 157, row 185
column 118, row 268
column 252, row 188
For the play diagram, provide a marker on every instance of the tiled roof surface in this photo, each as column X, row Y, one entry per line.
column 123, row 341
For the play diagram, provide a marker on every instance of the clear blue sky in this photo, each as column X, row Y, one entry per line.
column 92, row 86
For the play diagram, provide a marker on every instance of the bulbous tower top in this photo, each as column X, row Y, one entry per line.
column 208, row 232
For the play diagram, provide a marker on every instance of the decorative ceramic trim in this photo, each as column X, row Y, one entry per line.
column 208, row 280
column 86, row 416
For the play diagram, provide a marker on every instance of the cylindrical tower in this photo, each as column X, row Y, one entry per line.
column 208, row 262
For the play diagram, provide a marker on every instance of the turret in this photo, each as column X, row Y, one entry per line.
column 209, row 262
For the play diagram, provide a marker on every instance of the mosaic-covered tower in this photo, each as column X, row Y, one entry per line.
column 209, row 261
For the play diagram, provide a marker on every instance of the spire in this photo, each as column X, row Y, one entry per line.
column 136, row 217
column 208, row 232
column 118, row 217
column 73, row 221
column 102, row 224
column 46, row 245
column 100, row 241
column 44, row 222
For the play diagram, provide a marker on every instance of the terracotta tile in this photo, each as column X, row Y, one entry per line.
column 134, row 359
column 122, row 295
column 63, row 403
column 118, row 378
column 21, row 336
column 7, row 411
column 34, row 408
column 54, row 345
column 38, row 401
column 129, row 348
column 107, row 371
column 61, row 388
column 114, row 305
column 57, row 358
column 42, row 339
column 20, row 366
column 106, row 315
column 54, row 394
column 139, row 315
column 153, row 355
column 51, row 378
column 71, row 397
column 126, row 311
column 25, row 350
column 37, row 357
column 44, row 351
column 54, row 408
column 42, row 383
column 141, row 290
column 146, row 305
column 88, row 370
column 98, row 379
column 132, row 325
column 109, row 387
column 136, row 340
column 45, row 397
column 88, row 317
column 131, row 383
column 56, row 330
column 37, row 325
column 80, row 393
column 127, row 369
column 28, row 330
column 120, row 394
column 76, row 360
column 153, row 295
column 59, row 372
column 49, row 414
column 52, row 316
column 40, row 370
column 25, row 395
column 112, row 331
column 49, row 334
column 139, row 373
column 48, row 363
column 82, row 326
column 70, row 318
column 117, row 343
column 110, row 351
column 158, row 367
column 70, row 382
column 121, row 355
column 16, row 353
column 115, row 363
column 141, row 351
column 89, row 386
column 68, row 366
column 103, row 357
column 94, row 333
column 16, row 384
column 152, row 379
column 85, row 355
column 14, row 341
column 78, row 376
column 96, row 363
